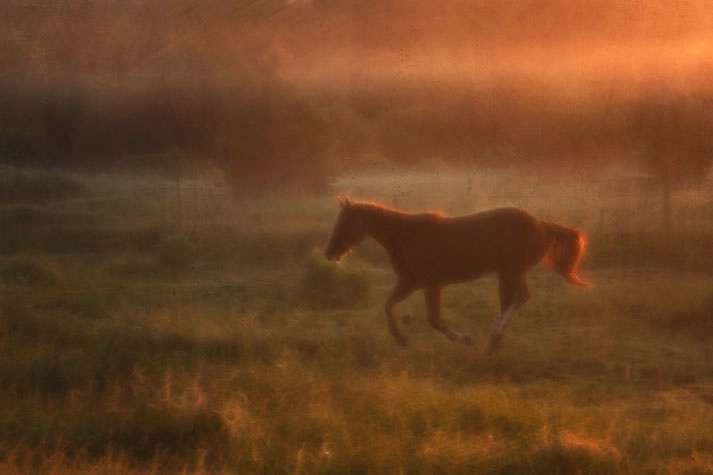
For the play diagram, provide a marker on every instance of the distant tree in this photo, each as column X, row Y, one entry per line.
column 62, row 115
column 275, row 136
column 675, row 137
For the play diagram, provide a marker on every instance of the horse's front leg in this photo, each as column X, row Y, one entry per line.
column 513, row 294
column 402, row 290
column 434, row 297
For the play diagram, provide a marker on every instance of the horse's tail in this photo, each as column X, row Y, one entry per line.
column 565, row 251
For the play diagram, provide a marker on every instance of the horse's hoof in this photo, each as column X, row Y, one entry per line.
column 494, row 345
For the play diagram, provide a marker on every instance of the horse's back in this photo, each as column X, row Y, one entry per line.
column 508, row 235
column 496, row 216
column 466, row 247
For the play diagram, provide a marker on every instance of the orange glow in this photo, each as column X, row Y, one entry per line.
column 575, row 69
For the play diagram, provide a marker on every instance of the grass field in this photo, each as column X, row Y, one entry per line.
column 148, row 326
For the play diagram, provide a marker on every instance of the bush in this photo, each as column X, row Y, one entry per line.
column 326, row 285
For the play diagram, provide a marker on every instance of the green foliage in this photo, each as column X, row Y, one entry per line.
column 326, row 285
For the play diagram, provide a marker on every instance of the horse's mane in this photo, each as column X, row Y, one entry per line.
column 379, row 209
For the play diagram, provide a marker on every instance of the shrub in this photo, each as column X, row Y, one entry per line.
column 329, row 285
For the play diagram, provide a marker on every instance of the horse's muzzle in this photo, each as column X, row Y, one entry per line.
column 334, row 255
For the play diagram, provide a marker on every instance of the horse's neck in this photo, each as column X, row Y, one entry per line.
column 382, row 225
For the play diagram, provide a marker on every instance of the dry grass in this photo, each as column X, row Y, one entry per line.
column 221, row 344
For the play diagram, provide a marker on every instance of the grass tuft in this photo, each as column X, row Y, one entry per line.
column 263, row 357
column 326, row 285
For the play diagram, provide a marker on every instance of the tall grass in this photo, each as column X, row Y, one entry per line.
column 228, row 345
column 325, row 285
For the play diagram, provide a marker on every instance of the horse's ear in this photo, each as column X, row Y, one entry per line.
column 341, row 201
column 344, row 201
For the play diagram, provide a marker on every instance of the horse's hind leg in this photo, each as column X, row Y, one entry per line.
column 513, row 293
column 434, row 296
column 399, row 293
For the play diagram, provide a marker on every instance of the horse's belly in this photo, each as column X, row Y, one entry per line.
column 465, row 269
column 465, row 276
column 442, row 267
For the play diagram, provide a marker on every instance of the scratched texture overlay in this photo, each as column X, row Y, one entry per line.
column 171, row 172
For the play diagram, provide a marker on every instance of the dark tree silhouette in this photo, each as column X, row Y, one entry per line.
column 675, row 138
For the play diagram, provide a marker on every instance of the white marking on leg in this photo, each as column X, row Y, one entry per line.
column 458, row 337
column 503, row 320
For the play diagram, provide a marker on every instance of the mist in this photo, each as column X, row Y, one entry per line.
column 294, row 93
column 169, row 175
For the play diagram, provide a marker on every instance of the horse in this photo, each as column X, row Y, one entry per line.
column 430, row 250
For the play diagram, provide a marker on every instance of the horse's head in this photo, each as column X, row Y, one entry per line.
column 347, row 232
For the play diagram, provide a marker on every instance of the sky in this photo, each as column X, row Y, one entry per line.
column 571, row 44
column 327, row 41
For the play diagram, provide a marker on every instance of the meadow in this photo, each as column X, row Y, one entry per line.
column 149, row 325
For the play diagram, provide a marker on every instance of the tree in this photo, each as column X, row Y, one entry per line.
column 675, row 137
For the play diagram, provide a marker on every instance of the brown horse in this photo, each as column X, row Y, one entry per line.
column 429, row 250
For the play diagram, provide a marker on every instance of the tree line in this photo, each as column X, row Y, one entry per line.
column 157, row 84
column 268, row 132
